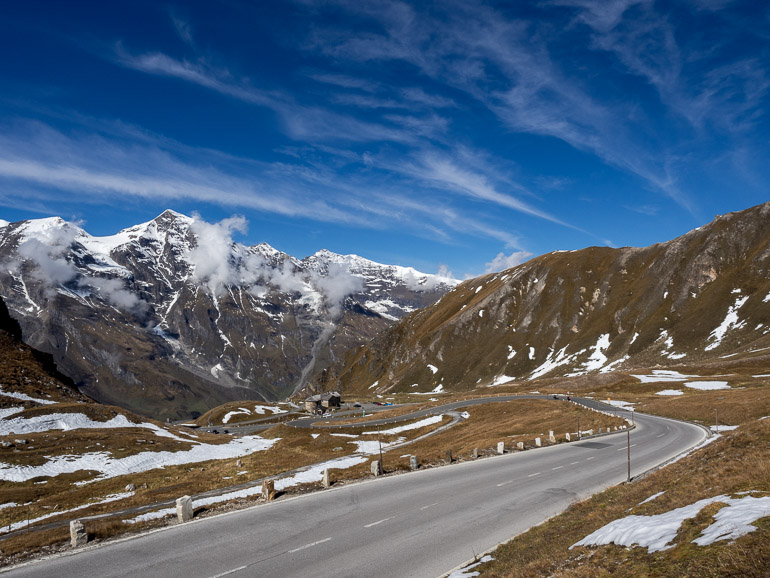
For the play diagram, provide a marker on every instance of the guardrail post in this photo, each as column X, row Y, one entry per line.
column 78, row 535
column 326, row 480
column 413, row 465
column 268, row 490
column 538, row 443
column 184, row 509
column 501, row 448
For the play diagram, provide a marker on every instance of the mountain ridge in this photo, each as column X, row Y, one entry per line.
column 568, row 314
column 171, row 317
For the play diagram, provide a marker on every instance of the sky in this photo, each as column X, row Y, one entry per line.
column 459, row 136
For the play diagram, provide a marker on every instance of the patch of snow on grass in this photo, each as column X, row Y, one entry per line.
column 23, row 523
column 707, row 385
column 373, row 447
column 342, row 435
column 657, row 532
column 762, row 375
column 652, row 532
column 481, row 313
column 263, row 409
column 611, row 366
column 466, row 572
column 721, row 428
column 110, row 467
column 663, row 375
column 598, row 359
column 652, row 497
column 314, row 436
column 501, row 379
column 375, row 384
column 551, row 362
column 532, row 353
column 734, row 520
column 730, row 322
column 633, row 338
column 240, row 411
column 511, row 352
column 433, row 368
column 416, row 425
column 670, row 392
column 24, row 397
column 438, row 389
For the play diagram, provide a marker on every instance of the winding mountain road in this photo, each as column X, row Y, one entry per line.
column 422, row 523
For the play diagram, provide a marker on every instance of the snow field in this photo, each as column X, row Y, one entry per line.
column 657, row 532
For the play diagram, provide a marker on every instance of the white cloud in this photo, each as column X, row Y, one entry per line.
column 503, row 261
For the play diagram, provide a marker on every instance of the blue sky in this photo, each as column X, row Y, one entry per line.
column 465, row 134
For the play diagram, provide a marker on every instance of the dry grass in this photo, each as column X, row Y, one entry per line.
column 740, row 461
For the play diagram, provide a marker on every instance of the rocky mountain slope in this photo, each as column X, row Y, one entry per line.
column 171, row 317
column 701, row 297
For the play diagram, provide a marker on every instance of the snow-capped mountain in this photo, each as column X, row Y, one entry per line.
column 171, row 317
column 699, row 301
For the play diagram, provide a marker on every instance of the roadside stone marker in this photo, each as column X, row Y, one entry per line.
column 78, row 536
column 449, row 456
column 268, row 490
column 501, row 448
column 520, row 445
column 589, row 432
column 475, row 453
column 376, row 469
column 567, row 436
column 538, row 443
column 238, row 464
column 327, row 480
column 551, row 437
column 413, row 465
column 184, row 509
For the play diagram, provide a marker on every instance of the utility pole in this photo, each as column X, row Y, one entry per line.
column 628, row 443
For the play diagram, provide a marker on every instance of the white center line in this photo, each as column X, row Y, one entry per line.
column 557, row 468
column 379, row 522
column 661, row 435
column 625, row 448
column 505, row 483
column 533, row 475
column 233, row 571
column 573, row 463
column 309, row 545
column 591, row 458
column 429, row 506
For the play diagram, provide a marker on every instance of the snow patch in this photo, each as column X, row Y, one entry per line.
column 24, row 397
column 707, row 385
column 416, row 425
column 663, row 375
column 433, row 368
column 670, row 392
column 657, row 532
column 731, row 321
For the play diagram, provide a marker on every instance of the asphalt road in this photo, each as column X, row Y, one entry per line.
column 417, row 524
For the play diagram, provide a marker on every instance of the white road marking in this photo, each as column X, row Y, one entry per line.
column 533, row 475
column 624, row 449
column 661, row 435
column 557, row 468
column 378, row 522
column 233, row 571
column 429, row 506
column 309, row 545
column 573, row 463
column 505, row 483
column 591, row 458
